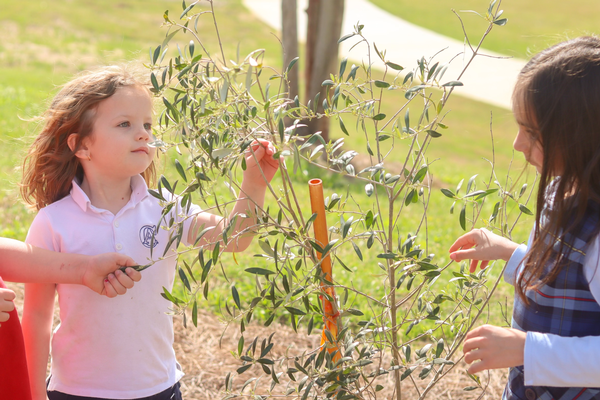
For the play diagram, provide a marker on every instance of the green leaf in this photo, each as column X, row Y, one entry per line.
column 354, row 311
column 410, row 196
column 433, row 133
column 439, row 348
column 243, row 369
column 236, row 297
column 343, row 127
column 525, row 210
column 381, row 84
column 407, row 372
column 195, row 313
column 180, row 170
column 348, row 36
column 184, row 13
column 387, row 256
column 311, row 325
column 452, row 84
column 291, row 65
column 379, row 117
column 357, row 250
column 420, row 174
column 448, row 193
column 241, row 345
column 259, row 271
column 295, row 311
column 215, row 253
column 154, row 82
column 394, row 66
column 184, row 279
column 501, row 22
column 328, row 82
column 343, row 67
column 463, row 218
column 191, row 47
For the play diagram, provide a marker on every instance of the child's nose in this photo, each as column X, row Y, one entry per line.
column 520, row 144
column 143, row 134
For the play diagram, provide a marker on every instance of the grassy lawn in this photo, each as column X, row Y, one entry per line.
column 532, row 24
column 43, row 46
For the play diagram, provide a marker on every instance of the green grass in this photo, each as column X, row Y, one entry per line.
column 532, row 25
column 43, row 47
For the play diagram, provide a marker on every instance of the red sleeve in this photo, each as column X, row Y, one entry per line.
column 14, row 378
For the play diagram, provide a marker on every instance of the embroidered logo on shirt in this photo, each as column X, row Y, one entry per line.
column 146, row 234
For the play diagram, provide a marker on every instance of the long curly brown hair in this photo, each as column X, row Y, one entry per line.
column 558, row 91
column 50, row 165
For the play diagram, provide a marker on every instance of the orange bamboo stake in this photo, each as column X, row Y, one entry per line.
column 331, row 318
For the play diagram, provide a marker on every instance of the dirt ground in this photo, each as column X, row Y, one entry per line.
column 206, row 357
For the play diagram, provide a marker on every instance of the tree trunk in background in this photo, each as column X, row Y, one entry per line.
column 324, row 29
column 289, row 31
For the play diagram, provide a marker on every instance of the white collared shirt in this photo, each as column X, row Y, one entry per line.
column 122, row 347
column 552, row 360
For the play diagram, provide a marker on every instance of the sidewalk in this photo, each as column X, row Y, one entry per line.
column 487, row 79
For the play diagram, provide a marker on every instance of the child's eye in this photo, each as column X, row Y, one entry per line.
column 148, row 126
column 125, row 124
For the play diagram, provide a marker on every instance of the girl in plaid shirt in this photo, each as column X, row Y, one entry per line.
column 553, row 346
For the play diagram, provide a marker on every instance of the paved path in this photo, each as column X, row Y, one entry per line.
column 488, row 79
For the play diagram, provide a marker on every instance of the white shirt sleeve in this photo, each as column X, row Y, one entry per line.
column 552, row 360
column 510, row 272
column 40, row 233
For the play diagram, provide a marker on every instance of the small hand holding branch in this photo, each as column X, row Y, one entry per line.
column 6, row 304
column 259, row 162
column 481, row 245
column 103, row 275
column 260, row 170
column 494, row 347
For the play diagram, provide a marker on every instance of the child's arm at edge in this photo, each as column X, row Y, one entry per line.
column 261, row 167
column 37, row 326
column 26, row 263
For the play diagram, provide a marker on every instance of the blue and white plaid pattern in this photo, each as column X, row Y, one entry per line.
column 563, row 307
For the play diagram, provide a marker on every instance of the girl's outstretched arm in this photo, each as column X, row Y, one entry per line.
column 481, row 245
column 22, row 262
column 260, row 170
column 37, row 326
column 493, row 347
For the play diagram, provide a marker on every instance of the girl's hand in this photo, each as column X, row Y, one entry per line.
column 259, row 157
column 104, row 277
column 6, row 304
column 494, row 347
column 481, row 245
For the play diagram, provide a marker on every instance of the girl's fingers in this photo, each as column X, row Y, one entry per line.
column 133, row 274
column 484, row 264
column 7, row 294
column 473, row 266
column 109, row 291
column 466, row 240
column 124, row 279
column 466, row 254
column 477, row 367
column 473, row 355
column 112, row 279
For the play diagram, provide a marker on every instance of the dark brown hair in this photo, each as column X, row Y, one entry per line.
column 558, row 93
column 50, row 165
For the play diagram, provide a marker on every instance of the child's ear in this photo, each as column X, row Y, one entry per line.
column 82, row 151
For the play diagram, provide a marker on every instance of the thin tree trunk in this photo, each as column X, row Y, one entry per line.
column 289, row 31
column 323, row 33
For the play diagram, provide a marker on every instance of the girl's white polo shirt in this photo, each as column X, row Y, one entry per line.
column 122, row 347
